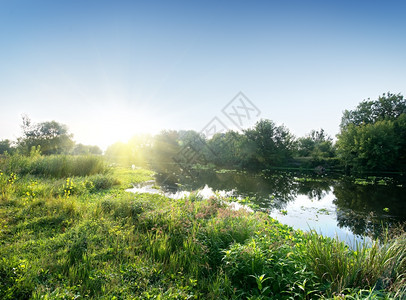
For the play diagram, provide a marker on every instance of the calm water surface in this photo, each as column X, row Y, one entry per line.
column 333, row 207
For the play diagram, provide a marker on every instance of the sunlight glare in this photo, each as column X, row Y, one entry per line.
column 118, row 125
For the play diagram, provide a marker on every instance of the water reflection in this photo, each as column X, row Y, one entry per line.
column 263, row 189
column 364, row 209
column 314, row 189
column 337, row 206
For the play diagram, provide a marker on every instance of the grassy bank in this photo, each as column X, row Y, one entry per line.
column 65, row 236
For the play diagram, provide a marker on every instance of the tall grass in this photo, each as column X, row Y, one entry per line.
column 58, row 166
column 98, row 241
column 378, row 266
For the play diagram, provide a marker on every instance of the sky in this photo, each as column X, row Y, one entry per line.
column 112, row 69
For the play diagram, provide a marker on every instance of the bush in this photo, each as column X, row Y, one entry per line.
column 100, row 182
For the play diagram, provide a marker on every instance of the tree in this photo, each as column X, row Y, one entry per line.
column 193, row 140
column 140, row 147
column 5, row 146
column 135, row 152
column 369, row 147
column 273, row 144
column 231, row 149
column 120, row 153
column 317, row 144
column 372, row 137
column 80, row 149
column 52, row 137
column 165, row 149
column 399, row 128
column 387, row 107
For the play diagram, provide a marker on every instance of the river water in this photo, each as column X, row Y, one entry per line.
column 331, row 206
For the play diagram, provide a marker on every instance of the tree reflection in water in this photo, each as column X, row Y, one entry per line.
column 367, row 209
column 364, row 209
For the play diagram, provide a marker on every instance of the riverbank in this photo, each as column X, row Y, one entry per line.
column 86, row 237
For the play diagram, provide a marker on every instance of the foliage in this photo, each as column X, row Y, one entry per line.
column 7, row 184
column 170, row 151
column 273, row 144
column 387, row 107
column 81, row 149
column 231, row 149
column 369, row 147
column 78, row 237
column 372, row 139
column 120, row 153
column 128, row 177
column 317, row 144
column 136, row 151
column 54, row 165
column 376, row 147
column 379, row 266
column 51, row 136
column 6, row 147
column 166, row 147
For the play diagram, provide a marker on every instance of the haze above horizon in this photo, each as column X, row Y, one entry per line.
column 110, row 70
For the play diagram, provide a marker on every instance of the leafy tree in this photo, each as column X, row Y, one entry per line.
column 86, row 149
column 193, row 140
column 317, row 144
column 140, row 147
column 165, row 148
column 52, row 137
column 399, row 128
column 273, row 144
column 230, row 149
column 192, row 149
column 5, row 146
column 372, row 137
column 120, row 153
column 387, row 107
column 369, row 147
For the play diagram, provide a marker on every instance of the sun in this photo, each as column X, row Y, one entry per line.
column 107, row 127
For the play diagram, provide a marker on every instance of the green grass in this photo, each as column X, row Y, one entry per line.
column 128, row 177
column 54, row 166
column 85, row 237
column 380, row 266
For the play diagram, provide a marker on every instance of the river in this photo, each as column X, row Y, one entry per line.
column 331, row 206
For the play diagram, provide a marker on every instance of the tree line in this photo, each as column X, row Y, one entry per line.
column 47, row 138
column 372, row 138
column 264, row 146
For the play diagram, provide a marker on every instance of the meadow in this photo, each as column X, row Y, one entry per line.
column 69, row 230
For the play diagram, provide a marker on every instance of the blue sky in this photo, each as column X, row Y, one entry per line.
column 110, row 69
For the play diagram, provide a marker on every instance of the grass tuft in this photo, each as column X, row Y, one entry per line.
column 74, row 237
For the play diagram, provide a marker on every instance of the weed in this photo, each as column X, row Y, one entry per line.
column 70, row 232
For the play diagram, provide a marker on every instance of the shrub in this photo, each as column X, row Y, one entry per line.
column 100, row 182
